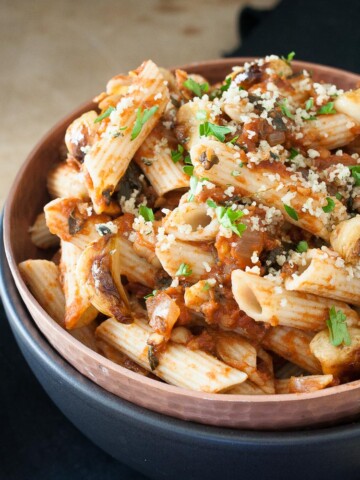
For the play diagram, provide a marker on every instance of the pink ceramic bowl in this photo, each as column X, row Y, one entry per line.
column 27, row 198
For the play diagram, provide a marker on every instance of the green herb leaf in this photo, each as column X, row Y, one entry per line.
column 184, row 270
column 206, row 129
column 146, row 213
column 197, row 88
column 193, row 186
column 338, row 330
column 235, row 173
column 291, row 212
column 228, row 218
column 355, row 172
column 188, row 170
column 293, row 153
column 176, row 155
column 152, row 294
column 211, row 203
column 233, row 140
column 309, row 104
column 285, row 108
column 338, row 196
column 226, row 85
column 141, row 118
column 104, row 115
column 302, row 246
column 327, row 109
column 329, row 207
column 288, row 59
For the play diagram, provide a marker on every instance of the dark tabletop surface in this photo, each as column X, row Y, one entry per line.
column 37, row 442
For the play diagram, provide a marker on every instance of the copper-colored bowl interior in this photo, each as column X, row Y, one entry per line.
column 27, row 198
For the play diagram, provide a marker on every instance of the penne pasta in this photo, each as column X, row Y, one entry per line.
column 154, row 159
column 78, row 310
column 40, row 234
column 43, row 279
column 326, row 276
column 66, row 181
column 264, row 301
column 348, row 103
column 277, row 189
column 203, row 372
column 329, row 131
column 130, row 123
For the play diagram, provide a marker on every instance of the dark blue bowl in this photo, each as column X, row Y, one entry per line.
column 162, row 447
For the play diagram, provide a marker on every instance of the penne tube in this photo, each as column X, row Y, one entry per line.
column 192, row 222
column 188, row 122
column 348, row 103
column 66, row 181
column 239, row 353
column 178, row 365
column 310, row 383
column 120, row 358
column 328, row 131
column 340, row 361
column 326, row 276
column 43, row 280
column 270, row 184
column 134, row 266
column 154, row 159
column 294, row 346
column 40, row 234
column 78, row 310
column 264, row 301
column 173, row 253
column 345, row 239
column 109, row 157
column 80, row 135
column 246, row 388
column 69, row 219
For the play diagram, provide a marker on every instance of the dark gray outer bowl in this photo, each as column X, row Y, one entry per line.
column 162, row 447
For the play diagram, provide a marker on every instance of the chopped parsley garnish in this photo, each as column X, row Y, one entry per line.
column 338, row 330
column 274, row 156
column 141, row 118
column 152, row 294
column 235, row 173
column 194, row 181
column 293, row 153
column 104, row 115
column 226, row 85
column 285, row 108
column 206, row 129
column 228, row 218
column 184, row 270
column 233, row 140
column 188, row 170
column 211, row 203
column 329, row 207
column 355, row 172
column 197, row 88
column 327, row 109
column 288, row 59
column 309, row 104
column 291, row 212
column 302, row 246
column 338, row 196
column 146, row 213
column 177, row 155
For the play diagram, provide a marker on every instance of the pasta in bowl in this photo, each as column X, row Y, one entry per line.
column 203, row 218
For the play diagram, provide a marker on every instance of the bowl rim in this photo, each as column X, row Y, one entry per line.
column 148, row 382
column 23, row 326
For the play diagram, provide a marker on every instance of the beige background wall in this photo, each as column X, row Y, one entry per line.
column 57, row 54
